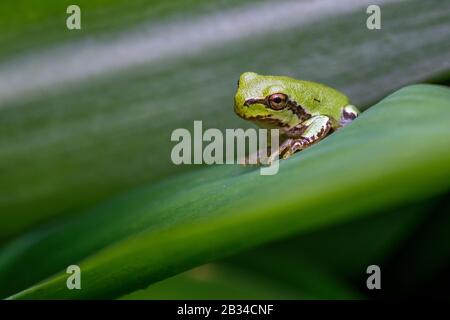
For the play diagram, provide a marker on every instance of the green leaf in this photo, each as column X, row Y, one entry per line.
column 225, row 281
column 342, row 251
column 217, row 281
column 363, row 241
column 328, row 263
column 66, row 145
column 395, row 153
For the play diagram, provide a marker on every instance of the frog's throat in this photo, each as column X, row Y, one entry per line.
column 267, row 122
column 263, row 121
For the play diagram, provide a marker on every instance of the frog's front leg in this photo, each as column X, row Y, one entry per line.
column 254, row 158
column 262, row 154
column 284, row 147
column 300, row 137
column 310, row 131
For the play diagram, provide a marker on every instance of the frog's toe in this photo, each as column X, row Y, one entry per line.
column 286, row 155
column 349, row 113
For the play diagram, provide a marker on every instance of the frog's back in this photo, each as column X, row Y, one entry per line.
column 319, row 99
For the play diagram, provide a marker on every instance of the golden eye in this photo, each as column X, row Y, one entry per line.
column 278, row 101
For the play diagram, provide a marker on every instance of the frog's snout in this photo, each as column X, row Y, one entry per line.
column 239, row 105
column 241, row 101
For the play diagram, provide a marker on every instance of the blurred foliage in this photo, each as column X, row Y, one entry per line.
column 28, row 25
column 371, row 193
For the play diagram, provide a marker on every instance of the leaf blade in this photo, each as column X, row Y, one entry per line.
column 202, row 219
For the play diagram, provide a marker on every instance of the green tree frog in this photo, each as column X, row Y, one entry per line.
column 305, row 112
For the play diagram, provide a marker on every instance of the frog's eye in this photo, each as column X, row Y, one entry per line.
column 277, row 101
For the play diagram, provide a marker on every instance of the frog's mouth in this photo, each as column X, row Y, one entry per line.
column 264, row 121
column 268, row 122
column 241, row 108
column 241, row 111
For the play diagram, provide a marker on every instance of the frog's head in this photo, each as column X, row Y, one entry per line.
column 265, row 100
